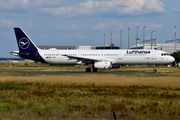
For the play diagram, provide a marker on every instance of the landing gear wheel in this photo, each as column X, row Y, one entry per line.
column 154, row 70
column 88, row 69
column 95, row 69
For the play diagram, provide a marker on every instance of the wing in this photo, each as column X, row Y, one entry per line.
column 89, row 60
column 85, row 60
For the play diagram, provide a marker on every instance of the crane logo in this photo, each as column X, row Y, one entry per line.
column 24, row 43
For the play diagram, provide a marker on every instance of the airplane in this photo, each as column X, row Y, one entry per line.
column 93, row 59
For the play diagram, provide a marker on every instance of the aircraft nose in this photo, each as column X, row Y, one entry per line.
column 171, row 59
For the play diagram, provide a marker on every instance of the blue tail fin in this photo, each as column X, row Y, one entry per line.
column 27, row 49
column 23, row 41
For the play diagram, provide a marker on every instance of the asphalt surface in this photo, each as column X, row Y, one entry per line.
column 77, row 73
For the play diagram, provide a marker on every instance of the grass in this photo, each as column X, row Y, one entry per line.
column 11, row 86
column 89, row 96
column 44, row 67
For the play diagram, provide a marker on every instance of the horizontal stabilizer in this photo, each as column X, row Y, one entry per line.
column 17, row 53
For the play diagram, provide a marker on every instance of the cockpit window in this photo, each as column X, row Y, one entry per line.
column 164, row 54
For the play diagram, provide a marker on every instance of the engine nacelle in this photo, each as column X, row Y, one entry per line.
column 103, row 65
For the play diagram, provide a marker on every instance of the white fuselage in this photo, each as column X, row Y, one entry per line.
column 129, row 56
column 96, row 59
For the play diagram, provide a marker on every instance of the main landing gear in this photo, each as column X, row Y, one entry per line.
column 154, row 69
column 88, row 69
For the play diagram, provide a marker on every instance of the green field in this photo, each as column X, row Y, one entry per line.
column 89, row 96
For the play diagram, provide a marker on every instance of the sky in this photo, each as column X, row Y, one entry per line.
column 87, row 22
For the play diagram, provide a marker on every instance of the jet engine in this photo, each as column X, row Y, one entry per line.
column 103, row 65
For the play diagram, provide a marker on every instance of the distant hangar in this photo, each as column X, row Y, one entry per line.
column 80, row 47
column 169, row 46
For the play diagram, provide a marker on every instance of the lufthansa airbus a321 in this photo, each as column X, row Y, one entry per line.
column 93, row 59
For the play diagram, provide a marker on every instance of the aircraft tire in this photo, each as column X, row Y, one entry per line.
column 95, row 69
column 88, row 69
column 154, row 70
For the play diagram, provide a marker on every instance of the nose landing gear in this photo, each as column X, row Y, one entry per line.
column 154, row 69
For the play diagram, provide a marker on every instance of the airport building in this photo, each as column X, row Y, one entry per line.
column 57, row 47
column 85, row 47
column 169, row 46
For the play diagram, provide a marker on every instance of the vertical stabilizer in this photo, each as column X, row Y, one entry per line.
column 27, row 49
column 23, row 41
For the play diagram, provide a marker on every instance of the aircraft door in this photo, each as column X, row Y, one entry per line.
column 80, row 54
column 153, row 57
column 120, row 56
